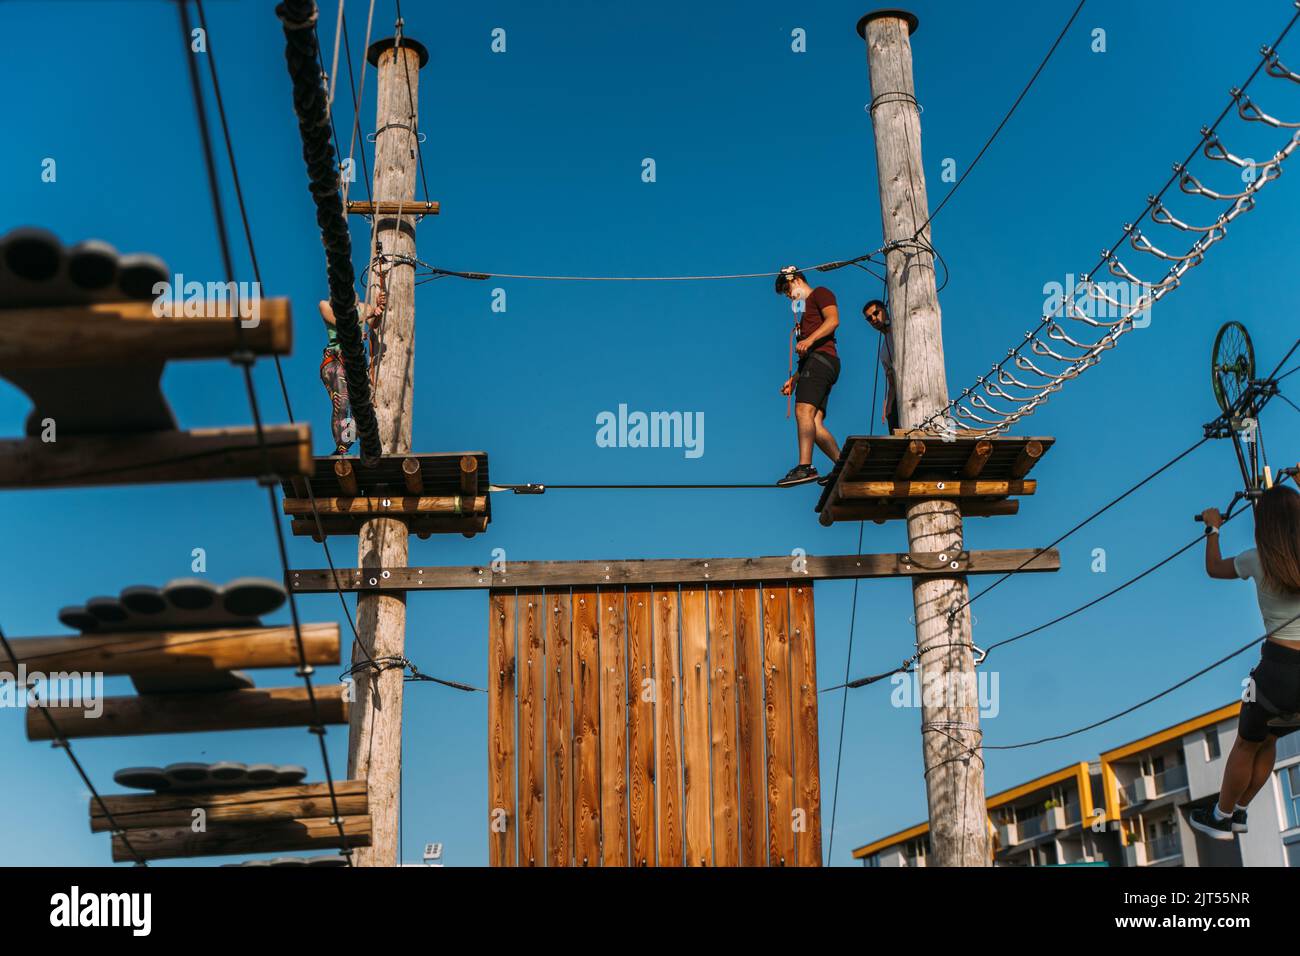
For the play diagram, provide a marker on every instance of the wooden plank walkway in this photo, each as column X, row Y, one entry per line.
column 878, row 477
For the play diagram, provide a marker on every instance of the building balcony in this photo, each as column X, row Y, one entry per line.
column 1170, row 780
column 1052, row 820
column 1008, row 834
column 1147, row 787
column 1164, row 849
column 1140, row 790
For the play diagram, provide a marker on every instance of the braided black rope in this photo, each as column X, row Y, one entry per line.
column 309, row 103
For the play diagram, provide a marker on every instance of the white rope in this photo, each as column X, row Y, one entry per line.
column 334, row 65
column 361, row 95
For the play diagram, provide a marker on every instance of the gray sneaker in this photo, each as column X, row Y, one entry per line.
column 798, row 475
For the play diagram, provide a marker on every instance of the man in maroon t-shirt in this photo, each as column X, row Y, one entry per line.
column 818, row 370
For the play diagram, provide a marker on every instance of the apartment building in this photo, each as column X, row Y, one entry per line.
column 1130, row 807
column 1153, row 784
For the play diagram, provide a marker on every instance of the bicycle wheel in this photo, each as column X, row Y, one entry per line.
column 1232, row 365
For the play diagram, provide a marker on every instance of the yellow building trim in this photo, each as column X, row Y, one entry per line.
column 902, row 836
column 1078, row 771
column 1170, row 733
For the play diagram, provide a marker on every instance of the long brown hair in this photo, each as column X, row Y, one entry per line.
column 1277, row 537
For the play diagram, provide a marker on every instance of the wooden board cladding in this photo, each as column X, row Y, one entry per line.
column 665, row 725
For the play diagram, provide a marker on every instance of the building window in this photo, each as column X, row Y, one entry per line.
column 1289, row 746
column 1290, row 779
column 1291, row 852
column 1211, row 745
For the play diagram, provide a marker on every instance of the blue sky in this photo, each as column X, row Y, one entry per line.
column 764, row 157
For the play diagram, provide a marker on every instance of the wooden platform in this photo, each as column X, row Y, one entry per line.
column 435, row 494
column 878, row 477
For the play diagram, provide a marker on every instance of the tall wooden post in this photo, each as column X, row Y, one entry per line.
column 950, row 709
column 375, row 738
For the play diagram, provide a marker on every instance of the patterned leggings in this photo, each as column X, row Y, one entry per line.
column 336, row 383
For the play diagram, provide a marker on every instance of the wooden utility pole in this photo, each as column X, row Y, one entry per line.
column 950, row 733
column 375, row 738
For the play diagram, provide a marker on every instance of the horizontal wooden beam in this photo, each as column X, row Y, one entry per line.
column 674, row 571
column 864, row 509
column 318, row 833
column 208, row 454
column 175, row 652
column 108, row 333
column 971, row 488
column 195, row 713
column 396, row 505
column 392, row 207
column 260, row 805
column 421, row 525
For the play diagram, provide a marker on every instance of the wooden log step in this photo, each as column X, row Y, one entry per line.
column 911, row 458
column 403, row 505
column 972, row 488
column 274, row 804
column 468, row 475
column 979, row 457
column 391, row 207
column 439, row 473
column 194, row 713
column 224, row 775
column 1027, row 458
column 110, row 333
column 210, row 454
column 411, row 475
column 316, row 833
column 180, row 604
column 176, row 651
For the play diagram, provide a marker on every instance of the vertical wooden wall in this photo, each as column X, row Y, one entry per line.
column 653, row 726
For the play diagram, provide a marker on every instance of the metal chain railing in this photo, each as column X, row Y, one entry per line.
column 1049, row 355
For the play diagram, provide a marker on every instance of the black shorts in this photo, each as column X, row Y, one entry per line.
column 817, row 373
column 1276, row 680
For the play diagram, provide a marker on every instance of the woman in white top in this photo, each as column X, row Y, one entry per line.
column 1274, row 689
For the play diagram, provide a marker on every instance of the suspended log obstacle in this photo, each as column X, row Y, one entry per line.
column 247, row 709
column 879, row 477
column 176, row 652
column 434, row 494
column 653, row 725
column 318, row 833
column 260, row 820
column 183, row 604
column 92, row 368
